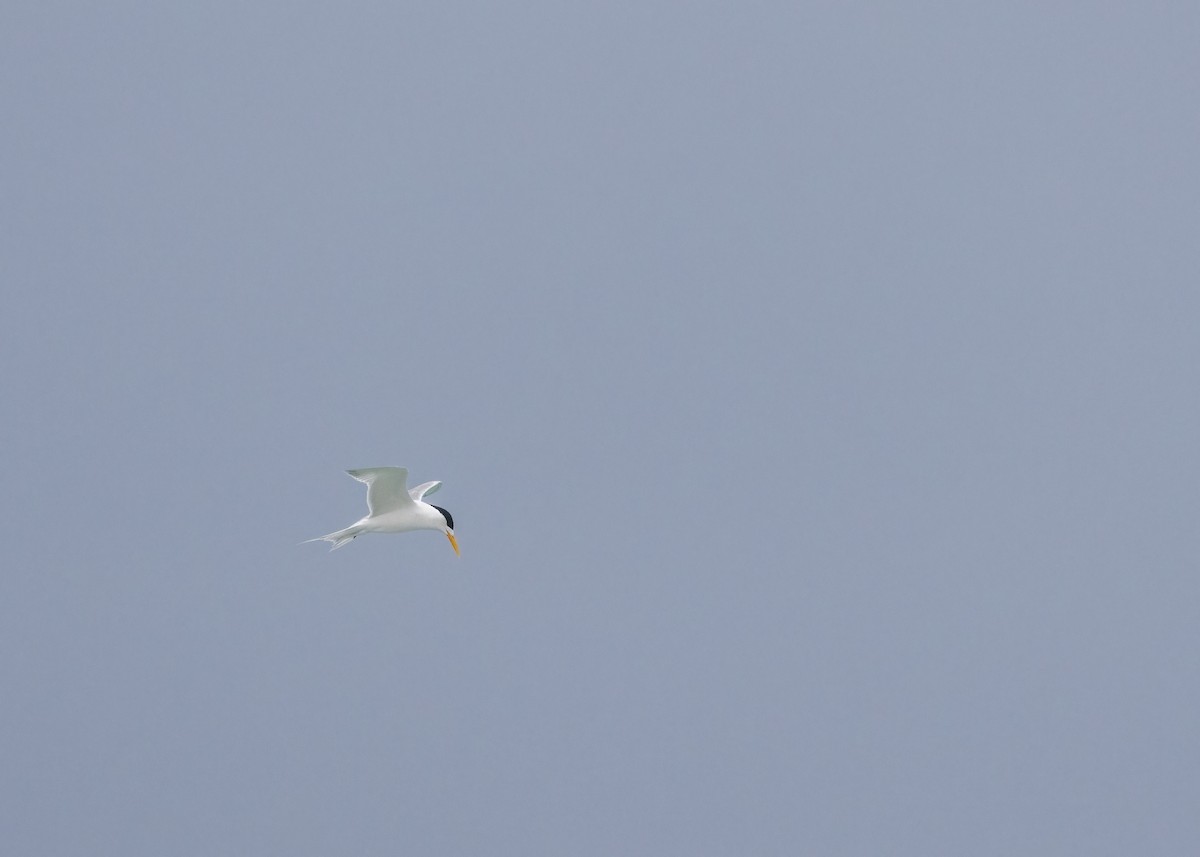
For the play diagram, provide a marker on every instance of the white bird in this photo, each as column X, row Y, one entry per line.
column 393, row 508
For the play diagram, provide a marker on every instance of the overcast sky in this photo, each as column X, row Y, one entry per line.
column 814, row 386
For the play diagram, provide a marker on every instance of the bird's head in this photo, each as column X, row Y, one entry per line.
column 449, row 529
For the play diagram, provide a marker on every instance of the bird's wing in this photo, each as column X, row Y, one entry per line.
column 423, row 489
column 385, row 488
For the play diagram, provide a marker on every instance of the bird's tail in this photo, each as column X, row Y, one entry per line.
column 339, row 538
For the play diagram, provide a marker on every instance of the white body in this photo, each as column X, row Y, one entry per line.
column 392, row 507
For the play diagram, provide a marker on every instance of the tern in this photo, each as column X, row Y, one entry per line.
column 394, row 508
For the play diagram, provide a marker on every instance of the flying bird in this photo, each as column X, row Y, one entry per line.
column 394, row 508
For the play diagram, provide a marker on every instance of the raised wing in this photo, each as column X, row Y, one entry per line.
column 385, row 488
column 423, row 490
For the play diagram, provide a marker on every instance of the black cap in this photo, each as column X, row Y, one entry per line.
column 449, row 518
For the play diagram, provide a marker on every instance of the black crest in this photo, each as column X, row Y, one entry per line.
column 449, row 518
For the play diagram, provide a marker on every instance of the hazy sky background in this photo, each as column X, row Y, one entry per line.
column 814, row 386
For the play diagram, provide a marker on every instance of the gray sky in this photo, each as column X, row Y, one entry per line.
column 814, row 387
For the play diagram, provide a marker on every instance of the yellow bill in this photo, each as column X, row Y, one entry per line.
column 453, row 543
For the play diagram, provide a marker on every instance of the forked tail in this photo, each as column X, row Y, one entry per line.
column 339, row 538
